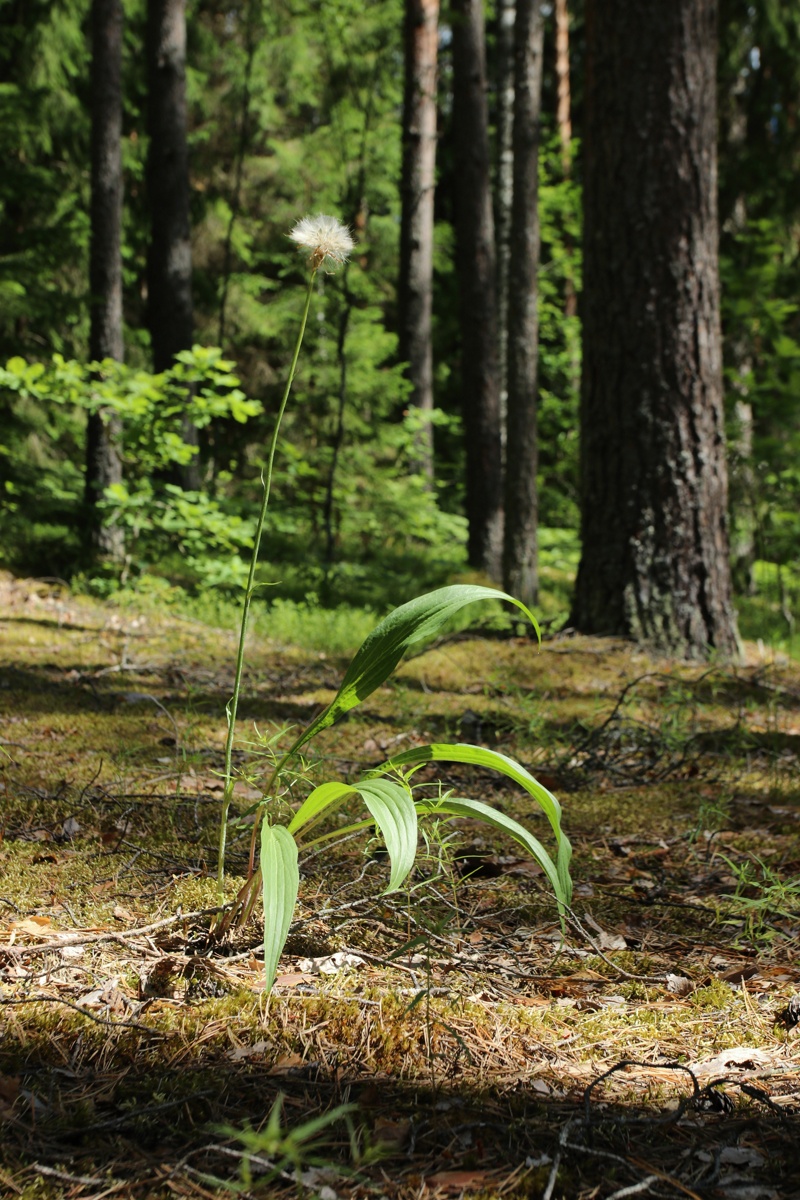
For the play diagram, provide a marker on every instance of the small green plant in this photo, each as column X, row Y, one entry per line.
column 760, row 898
column 393, row 804
column 273, row 1149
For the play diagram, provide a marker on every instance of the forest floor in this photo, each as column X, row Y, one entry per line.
column 653, row 1049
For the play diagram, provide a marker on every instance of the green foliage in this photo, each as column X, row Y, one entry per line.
column 44, row 143
column 47, row 408
column 281, row 877
column 272, row 1149
column 763, row 370
column 416, row 621
column 559, row 338
column 764, row 904
column 480, row 757
column 293, row 107
column 391, row 802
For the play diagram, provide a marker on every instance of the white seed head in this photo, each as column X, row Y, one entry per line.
column 326, row 238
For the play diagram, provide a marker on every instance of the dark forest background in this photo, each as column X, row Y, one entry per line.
column 442, row 371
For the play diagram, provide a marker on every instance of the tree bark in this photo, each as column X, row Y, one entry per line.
column 654, row 524
column 417, row 186
column 564, row 122
column 563, row 115
column 169, row 260
column 103, row 463
column 520, row 567
column 475, row 255
column 504, row 187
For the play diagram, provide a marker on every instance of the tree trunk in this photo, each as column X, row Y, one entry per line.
column 564, row 122
column 416, row 229
column 169, row 260
column 520, row 576
column 504, row 187
column 103, row 464
column 654, row 523
column 475, row 256
column 563, row 116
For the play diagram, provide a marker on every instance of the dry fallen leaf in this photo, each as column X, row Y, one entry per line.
column 679, row 985
column 293, row 978
column 240, row 1053
column 737, row 1058
column 457, row 1181
column 289, row 1062
column 33, row 926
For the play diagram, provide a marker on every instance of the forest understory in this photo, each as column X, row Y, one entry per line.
column 651, row 1048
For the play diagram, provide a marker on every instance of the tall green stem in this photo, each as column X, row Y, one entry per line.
column 233, row 703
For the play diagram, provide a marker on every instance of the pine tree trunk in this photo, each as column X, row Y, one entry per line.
column 520, row 568
column 103, row 464
column 417, row 193
column 564, row 122
column 169, row 260
column 504, row 186
column 654, row 523
column 563, row 114
column 475, row 256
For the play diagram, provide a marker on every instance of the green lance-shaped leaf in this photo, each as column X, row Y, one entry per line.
column 325, row 796
column 479, row 756
column 450, row 807
column 383, row 648
column 391, row 807
column 280, row 881
column 393, row 810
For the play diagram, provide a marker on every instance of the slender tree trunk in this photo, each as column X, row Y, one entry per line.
column 417, row 186
column 103, row 464
column 520, row 567
column 564, row 122
column 654, row 523
column 504, row 186
column 563, row 115
column 475, row 255
column 169, row 260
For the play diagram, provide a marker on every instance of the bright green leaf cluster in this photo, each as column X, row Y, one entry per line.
column 387, row 793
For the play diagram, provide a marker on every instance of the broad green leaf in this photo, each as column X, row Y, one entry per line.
column 479, row 756
column 448, row 806
column 280, row 881
column 394, row 813
column 321, row 798
column 390, row 807
column 414, row 622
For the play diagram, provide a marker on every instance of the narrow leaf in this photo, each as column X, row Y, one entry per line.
column 280, row 881
column 392, row 808
column 448, row 806
column 479, row 756
column 414, row 622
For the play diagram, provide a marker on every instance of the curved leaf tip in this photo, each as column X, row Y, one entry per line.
column 419, row 620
